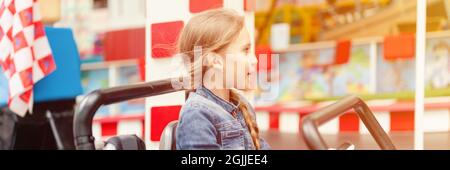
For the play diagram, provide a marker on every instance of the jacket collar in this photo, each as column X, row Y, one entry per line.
column 228, row 106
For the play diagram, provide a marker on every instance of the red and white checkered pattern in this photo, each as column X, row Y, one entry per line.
column 25, row 54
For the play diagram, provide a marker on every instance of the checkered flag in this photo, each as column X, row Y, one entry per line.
column 25, row 54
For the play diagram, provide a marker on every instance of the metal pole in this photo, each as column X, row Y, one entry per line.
column 148, row 53
column 420, row 67
column 54, row 130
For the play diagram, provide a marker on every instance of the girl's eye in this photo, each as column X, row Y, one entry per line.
column 247, row 50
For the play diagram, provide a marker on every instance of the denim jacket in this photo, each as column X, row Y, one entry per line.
column 206, row 123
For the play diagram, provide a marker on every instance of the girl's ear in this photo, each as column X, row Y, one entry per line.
column 214, row 61
column 218, row 63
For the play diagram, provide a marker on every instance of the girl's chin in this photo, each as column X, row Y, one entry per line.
column 251, row 81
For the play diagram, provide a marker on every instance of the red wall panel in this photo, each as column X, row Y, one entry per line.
column 160, row 117
column 124, row 44
column 399, row 47
column 202, row 5
column 164, row 38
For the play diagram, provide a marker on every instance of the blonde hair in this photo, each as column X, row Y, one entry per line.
column 213, row 31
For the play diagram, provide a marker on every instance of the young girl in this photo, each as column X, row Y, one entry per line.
column 214, row 117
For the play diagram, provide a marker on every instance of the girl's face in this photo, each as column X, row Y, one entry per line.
column 241, row 62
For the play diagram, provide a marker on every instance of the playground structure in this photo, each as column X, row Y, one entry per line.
column 348, row 19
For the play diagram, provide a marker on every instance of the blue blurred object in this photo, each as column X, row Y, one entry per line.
column 93, row 80
column 3, row 89
column 93, row 59
column 65, row 82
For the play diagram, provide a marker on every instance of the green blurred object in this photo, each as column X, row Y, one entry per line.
column 405, row 95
